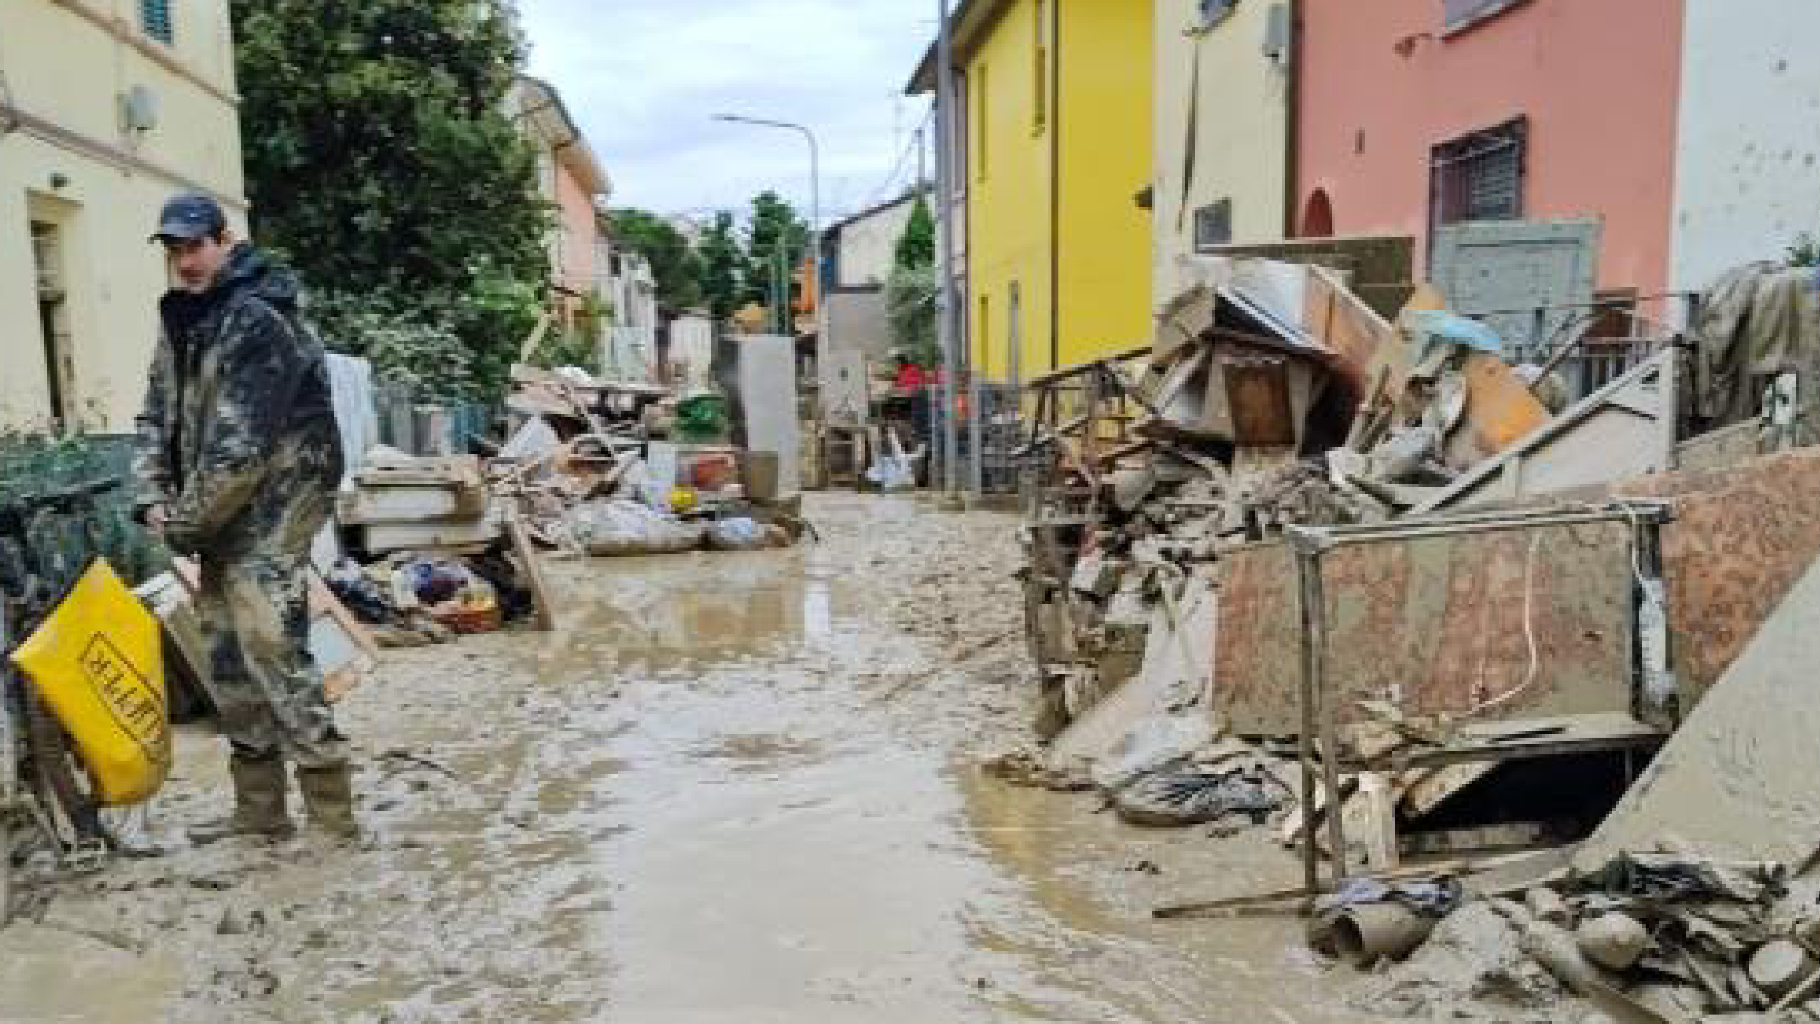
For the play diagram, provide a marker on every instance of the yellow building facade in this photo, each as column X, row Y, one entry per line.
column 1053, row 145
column 107, row 107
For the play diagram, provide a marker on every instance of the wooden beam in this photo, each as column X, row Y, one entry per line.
column 542, row 605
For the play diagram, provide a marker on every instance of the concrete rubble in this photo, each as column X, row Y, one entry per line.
column 1297, row 556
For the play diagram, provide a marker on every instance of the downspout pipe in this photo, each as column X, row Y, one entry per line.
column 1292, row 124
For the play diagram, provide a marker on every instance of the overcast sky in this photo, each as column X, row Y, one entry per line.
column 644, row 77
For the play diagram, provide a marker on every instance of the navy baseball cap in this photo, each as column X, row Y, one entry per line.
column 189, row 215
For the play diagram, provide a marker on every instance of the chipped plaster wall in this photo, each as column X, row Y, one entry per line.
column 1749, row 166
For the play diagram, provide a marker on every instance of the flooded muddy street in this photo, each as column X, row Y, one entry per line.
column 731, row 788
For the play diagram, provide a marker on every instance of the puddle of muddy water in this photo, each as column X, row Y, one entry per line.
column 791, row 854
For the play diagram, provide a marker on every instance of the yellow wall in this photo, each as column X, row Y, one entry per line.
column 1008, row 192
column 1107, row 82
column 102, row 186
column 1241, row 131
column 1095, row 241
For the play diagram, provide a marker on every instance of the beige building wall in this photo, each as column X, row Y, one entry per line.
column 1217, row 87
column 81, row 189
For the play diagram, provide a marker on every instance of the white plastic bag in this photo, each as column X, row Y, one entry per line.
column 622, row 527
column 739, row 534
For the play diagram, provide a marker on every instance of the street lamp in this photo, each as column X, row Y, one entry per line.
column 815, row 221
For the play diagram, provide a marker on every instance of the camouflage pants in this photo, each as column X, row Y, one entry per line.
column 266, row 684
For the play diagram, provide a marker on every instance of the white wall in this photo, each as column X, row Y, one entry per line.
column 1748, row 176
column 869, row 247
column 1240, row 136
column 691, row 349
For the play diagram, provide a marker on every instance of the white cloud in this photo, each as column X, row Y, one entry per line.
column 645, row 77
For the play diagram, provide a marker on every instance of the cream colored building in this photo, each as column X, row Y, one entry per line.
column 107, row 107
column 1222, row 128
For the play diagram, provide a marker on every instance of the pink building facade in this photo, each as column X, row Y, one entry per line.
column 576, row 187
column 579, row 240
column 1417, row 113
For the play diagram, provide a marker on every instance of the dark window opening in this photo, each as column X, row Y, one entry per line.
column 1479, row 176
column 1213, row 224
column 1317, row 215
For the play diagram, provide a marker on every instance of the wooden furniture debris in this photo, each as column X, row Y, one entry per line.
column 403, row 502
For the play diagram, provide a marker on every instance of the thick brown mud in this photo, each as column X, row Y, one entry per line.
column 731, row 788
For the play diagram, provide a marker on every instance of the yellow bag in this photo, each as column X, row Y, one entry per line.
column 98, row 663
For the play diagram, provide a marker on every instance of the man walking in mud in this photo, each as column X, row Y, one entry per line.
column 237, row 463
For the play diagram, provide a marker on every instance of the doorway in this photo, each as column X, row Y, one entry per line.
column 48, row 257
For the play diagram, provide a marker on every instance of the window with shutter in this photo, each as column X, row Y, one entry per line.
column 1478, row 176
column 1213, row 12
column 155, row 18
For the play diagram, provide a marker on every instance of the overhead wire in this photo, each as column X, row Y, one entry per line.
column 917, row 137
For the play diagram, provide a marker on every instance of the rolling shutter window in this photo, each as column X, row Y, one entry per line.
column 155, row 17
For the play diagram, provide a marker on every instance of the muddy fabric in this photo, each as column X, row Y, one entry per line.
column 1667, row 877
column 1177, row 797
column 266, row 684
column 1758, row 321
column 238, row 424
column 1433, row 898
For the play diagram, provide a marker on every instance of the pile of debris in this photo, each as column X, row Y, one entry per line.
column 1302, row 562
column 430, row 552
column 617, row 470
column 1655, row 937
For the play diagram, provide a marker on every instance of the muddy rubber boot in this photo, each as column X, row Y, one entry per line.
column 328, row 792
column 258, row 803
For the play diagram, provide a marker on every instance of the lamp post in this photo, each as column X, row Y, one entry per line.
column 815, row 221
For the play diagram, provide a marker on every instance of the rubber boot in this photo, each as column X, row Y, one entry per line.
column 258, row 802
column 328, row 792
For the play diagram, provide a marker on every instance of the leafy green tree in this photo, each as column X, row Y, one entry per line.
column 916, row 246
column 1805, row 252
column 381, row 162
column 910, row 290
column 723, row 266
column 773, row 227
column 676, row 268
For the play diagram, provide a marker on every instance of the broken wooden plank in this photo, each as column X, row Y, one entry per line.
column 543, row 604
column 1514, row 835
column 1442, row 869
column 1439, row 785
column 1377, row 822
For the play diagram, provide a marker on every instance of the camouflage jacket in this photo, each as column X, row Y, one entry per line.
column 238, row 431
